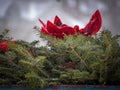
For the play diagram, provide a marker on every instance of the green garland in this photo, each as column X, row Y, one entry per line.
column 74, row 60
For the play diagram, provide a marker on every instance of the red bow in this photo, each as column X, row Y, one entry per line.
column 59, row 30
column 4, row 45
column 93, row 26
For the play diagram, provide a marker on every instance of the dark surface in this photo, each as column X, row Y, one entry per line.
column 68, row 87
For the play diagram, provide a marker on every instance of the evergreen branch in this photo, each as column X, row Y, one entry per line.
column 86, row 55
column 82, row 60
column 108, row 53
column 108, row 48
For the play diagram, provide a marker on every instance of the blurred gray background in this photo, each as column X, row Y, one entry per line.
column 20, row 16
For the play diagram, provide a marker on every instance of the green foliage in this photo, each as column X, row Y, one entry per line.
column 55, row 73
column 99, row 55
column 75, row 48
column 20, row 66
column 74, row 60
column 64, row 78
column 74, row 76
column 34, row 80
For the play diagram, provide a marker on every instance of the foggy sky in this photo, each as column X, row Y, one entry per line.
column 20, row 16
